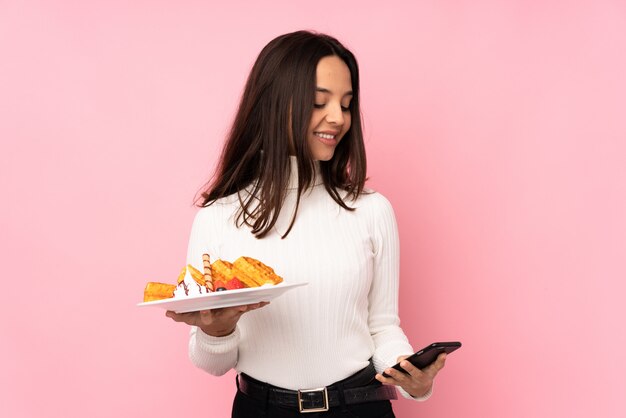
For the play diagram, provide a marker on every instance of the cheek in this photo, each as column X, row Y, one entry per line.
column 347, row 123
column 315, row 120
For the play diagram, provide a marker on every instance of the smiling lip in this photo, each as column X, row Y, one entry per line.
column 326, row 140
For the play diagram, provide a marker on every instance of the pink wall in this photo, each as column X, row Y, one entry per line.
column 498, row 132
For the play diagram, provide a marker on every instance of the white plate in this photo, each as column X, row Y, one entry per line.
column 223, row 299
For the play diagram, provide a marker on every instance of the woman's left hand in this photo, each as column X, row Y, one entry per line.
column 418, row 382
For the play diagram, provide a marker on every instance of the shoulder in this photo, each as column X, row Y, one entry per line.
column 372, row 209
column 376, row 215
column 373, row 201
column 216, row 211
column 222, row 205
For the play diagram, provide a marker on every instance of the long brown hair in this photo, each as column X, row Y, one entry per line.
column 277, row 102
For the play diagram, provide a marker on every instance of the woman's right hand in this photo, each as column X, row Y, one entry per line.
column 215, row 322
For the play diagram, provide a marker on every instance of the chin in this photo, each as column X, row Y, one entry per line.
column 323, row 156
column 322, row 152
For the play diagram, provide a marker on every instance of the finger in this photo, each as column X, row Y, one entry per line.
column 179, row 317
column 410, row 368
column 441, row 361
column 250, row 307
column 385, row 380
column 434, row 368
column 175, row 316
column 228, row 310
column 206, row 316
column 239, row 308
column 227, row 314
column 396, row 376
column 257, row 305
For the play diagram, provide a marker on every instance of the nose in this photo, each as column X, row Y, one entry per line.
column 335, row 115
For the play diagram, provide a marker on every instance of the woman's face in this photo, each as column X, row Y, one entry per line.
column 331, row 116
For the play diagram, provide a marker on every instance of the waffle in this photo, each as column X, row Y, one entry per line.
column 158, row 291
column 222, row 271
column 196, row 275
column 254, row 273
column 181, row 280
column 181, row 276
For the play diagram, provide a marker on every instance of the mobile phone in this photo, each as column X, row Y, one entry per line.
column 427, row 355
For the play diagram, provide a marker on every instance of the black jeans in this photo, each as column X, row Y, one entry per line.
column 246, row 407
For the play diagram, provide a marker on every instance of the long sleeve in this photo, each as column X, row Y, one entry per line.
column 216, row 355
column 384, row 323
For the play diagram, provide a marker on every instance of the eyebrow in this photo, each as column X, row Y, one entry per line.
column 323, row 90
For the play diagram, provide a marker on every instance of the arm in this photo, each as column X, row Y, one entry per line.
column 390, row 342
column 216, row 353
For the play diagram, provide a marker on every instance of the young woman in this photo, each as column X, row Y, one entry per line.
column 289, row 191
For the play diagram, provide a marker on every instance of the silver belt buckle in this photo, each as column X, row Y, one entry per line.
column 322, row 392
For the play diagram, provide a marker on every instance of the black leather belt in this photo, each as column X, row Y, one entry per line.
column 358, row 388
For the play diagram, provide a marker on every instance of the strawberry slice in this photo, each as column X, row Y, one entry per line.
column 234, row 283
column 219, row 285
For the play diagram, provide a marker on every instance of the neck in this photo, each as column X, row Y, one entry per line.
column 293, row 173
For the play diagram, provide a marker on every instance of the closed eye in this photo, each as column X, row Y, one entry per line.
column 321, row 106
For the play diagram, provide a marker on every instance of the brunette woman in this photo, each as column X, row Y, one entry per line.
column 290, row 191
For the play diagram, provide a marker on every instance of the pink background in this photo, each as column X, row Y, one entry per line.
column 498, row 131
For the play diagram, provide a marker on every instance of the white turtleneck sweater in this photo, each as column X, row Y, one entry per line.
column 313, row 335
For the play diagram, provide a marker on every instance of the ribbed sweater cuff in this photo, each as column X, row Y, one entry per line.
column 387, row 355
column 419, row 399
column 217, row 345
